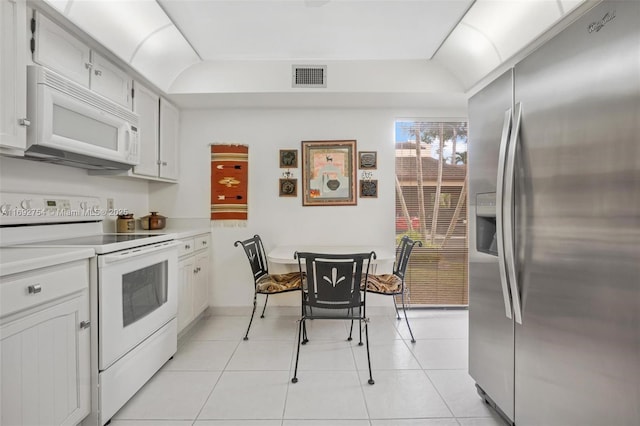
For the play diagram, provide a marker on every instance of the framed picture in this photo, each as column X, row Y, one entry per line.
column 367, row 160
column 288, row 187
column 329, row 173
column 288, row 158
column 369, row 188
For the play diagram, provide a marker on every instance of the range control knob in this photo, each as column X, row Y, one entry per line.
column 25, row 204
column 4, row 209
column 83, row 205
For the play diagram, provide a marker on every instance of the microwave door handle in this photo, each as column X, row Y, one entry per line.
column 509, row 210
column 504, row 141
column 138, row 251
column 127, row 139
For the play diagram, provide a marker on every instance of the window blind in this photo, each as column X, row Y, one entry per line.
column 431, row 191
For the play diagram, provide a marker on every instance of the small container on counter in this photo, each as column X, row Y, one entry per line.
column 153, row 221
column 125, row 223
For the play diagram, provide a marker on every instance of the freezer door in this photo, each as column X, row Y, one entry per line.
column 578, row 348
column 491, row 331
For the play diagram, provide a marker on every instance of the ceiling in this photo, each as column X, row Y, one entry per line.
column 181, row 46
column 315, row 30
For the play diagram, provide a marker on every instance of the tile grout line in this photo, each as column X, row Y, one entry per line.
column 215, row 384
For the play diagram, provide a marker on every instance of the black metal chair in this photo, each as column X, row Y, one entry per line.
column 393, row 284
column 332, row 291
column 264, row 282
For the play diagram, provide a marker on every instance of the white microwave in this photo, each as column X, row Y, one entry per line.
column 73, row 126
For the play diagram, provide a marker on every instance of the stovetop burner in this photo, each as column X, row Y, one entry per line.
column 104, row 243
column 99, row 240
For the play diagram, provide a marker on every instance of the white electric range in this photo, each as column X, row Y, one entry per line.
column 133, row 289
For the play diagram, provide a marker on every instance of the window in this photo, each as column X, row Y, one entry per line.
column 431, row 159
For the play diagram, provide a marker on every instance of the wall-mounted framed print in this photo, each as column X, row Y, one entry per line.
column 288, row 187
column 369, row 188
column 288, row 158
column 368, row 160
column 329, row 173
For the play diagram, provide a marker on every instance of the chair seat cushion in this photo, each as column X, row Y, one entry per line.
column 277, row 283
column 384, row 284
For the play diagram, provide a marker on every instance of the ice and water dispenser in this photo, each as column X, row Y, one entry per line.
column 486, row 223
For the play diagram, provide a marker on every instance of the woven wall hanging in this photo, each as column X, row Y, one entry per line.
column 229, row 184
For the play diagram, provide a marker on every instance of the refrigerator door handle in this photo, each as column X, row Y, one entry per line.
column 508, row 214
column 504, row 142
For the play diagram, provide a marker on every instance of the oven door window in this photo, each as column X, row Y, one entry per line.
column 144, row 291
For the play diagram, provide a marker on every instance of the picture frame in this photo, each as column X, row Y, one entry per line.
column 288, row 158
column 368, row 160
column 369, row 188
column 329, row 173
column 288, row 187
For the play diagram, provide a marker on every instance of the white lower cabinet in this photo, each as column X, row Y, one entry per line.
column 185, row 292
column 44, row 347
column 193, row 285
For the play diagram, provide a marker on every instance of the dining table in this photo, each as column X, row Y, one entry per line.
column 284, row 256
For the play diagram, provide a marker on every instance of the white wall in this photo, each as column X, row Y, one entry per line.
column 19, row 175
column 407, row 76
column 281, row 220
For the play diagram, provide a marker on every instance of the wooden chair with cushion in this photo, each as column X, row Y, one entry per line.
column 264, row 282
column 393, row 284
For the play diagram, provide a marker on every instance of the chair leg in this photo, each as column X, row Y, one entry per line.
column 265, row 306
column 395, row 305
column 366, row 333
column 295, row 370
column 404, row 309
column 305, row 340
column 255, row 303
column 360, row 326
column 350, row 332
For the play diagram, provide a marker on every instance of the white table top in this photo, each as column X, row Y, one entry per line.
column 284, row 254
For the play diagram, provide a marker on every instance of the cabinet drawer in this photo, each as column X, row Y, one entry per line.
column 202, row 242
column 30, row 289
column 187, row 246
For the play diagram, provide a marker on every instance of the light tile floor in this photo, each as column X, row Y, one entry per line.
column 217, row 379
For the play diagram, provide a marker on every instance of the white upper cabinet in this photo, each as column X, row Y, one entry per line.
column 13, row 81
column 62, row 52
column 146, row 104
column 169, row 136
column 110, row 81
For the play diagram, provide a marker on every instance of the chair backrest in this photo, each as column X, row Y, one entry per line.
column 254, row 250
column 402, row 255
column 333, row 280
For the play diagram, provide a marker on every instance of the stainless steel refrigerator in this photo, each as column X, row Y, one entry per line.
column 554, row 206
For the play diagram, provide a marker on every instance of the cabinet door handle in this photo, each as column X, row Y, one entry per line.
column 187, row 246
column 35, row 288
column 24, row 122
column 85, row 324
column 97, row 72
column 164, row 163
column 88, row 65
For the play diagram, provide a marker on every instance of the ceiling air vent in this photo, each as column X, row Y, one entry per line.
column 309, row 76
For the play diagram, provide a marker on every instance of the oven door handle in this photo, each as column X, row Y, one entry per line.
column 138, row 251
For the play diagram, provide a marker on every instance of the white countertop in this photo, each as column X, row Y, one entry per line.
column 14, row 260
column 284, row 254
column 182, row 228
